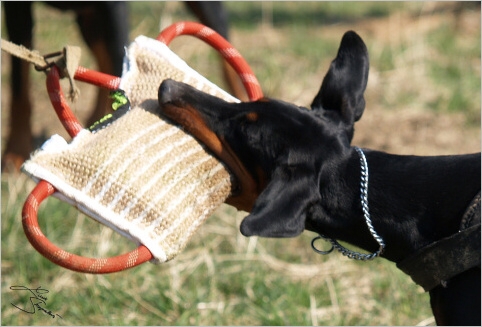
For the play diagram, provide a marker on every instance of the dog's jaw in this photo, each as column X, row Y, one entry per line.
column 246, row 190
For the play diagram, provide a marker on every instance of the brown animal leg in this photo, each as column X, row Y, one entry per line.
column 214, row 15
column 19, row 142
column 234, row 83
column 90, row 22
column 105, row 29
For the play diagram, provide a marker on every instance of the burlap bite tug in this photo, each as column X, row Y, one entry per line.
column 141, row 176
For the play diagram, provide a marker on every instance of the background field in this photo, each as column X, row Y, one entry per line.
column 423, row 97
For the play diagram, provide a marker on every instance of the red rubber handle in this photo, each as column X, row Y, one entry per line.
column 70, row 122
column 232, row 56
column 64, row 258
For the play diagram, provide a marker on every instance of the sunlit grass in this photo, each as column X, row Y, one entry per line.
column 221, row 278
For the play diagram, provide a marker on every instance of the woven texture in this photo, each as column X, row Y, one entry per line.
column 141, row 176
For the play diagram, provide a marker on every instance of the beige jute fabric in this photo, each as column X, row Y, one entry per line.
column 141, row 176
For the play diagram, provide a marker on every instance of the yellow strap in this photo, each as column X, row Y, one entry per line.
column 22, row 52
column 67, row 61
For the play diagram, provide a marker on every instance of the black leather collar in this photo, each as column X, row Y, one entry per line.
column 436, row 263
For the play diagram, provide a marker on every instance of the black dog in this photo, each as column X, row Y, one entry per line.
column 296, row 170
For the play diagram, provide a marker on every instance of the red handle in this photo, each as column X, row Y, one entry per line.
column 64, row 258
column 73, row 127
column 219, row 43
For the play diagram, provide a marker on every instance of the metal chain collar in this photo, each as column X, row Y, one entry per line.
column 366, row 213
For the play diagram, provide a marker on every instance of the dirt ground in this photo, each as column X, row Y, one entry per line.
column 413, row 130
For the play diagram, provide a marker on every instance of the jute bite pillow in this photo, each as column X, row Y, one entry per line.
column 141, row 175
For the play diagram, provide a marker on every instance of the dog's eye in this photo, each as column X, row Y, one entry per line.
column 252, row 116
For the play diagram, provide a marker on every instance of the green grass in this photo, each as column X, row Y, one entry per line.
column 464, row 95
column 246, row 15
column 223, row 278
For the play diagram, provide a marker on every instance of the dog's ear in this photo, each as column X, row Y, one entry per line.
column 344, row 84
column 280, row 210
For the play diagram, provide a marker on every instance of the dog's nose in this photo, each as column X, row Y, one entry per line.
column 169, row 91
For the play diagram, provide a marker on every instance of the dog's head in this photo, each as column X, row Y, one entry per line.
column 276, row 149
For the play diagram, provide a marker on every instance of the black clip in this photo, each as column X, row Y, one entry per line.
column 320, row 251
column 51, row 63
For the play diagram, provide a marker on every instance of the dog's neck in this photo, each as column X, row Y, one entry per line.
column 413, row 200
